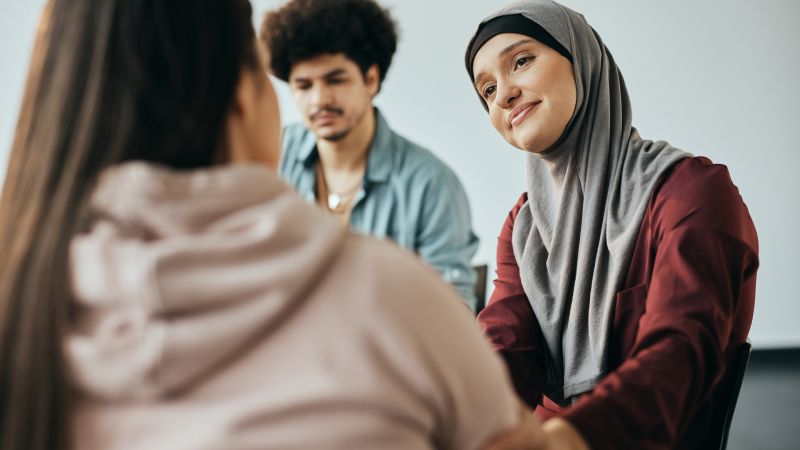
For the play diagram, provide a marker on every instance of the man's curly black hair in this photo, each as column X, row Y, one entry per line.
column 360, row 29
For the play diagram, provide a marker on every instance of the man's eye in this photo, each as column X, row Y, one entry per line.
column 302, row 87
column 336, row 81
column 489, row 90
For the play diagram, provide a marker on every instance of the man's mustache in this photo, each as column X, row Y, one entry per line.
column 327, row 109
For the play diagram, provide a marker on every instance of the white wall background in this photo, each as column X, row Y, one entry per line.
column 717, row 78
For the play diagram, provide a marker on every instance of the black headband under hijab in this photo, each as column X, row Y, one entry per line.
column 513, row 23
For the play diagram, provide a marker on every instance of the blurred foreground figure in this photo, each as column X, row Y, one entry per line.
column 155, row 295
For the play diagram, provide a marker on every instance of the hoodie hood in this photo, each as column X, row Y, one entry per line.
column 182, row 270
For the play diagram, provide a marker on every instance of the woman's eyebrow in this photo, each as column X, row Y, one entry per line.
column 502, row 53
column 513, row 46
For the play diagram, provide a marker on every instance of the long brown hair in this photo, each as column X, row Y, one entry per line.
column 109, row 81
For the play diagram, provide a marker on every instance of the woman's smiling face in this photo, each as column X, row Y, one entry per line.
column 529, row 89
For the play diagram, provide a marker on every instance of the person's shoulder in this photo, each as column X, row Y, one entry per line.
column 414, row 325
column 512, row 215
column 385, row 263
column 295, row 142
column 700, row 193
column 508, row 225
column 696, row 181
column 417, row 160
column 295, row 129
column 294, row 135
column 697, row 177
column 391, row 279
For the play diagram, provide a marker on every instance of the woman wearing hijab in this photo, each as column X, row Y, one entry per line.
column 155, row 295
column 626, row 272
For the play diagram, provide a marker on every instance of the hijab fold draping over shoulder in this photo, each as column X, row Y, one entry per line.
column 574, row 238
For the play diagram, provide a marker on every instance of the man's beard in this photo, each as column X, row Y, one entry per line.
column 336, row 137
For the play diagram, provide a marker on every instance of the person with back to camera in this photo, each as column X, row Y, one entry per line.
column 335, row 56
column 626, row 272
column 162, row 288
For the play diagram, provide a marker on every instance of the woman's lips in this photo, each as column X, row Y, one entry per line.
column 522, row 111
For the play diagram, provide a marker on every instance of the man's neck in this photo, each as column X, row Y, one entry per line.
column 350, row 153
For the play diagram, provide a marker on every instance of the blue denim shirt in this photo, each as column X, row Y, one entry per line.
column 407, row 195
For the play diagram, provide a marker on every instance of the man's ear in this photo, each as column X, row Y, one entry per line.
column 373, row 80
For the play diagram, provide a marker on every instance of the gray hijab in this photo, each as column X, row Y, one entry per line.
column 587, row 195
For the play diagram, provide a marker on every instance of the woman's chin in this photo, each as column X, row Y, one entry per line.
column 530, row 147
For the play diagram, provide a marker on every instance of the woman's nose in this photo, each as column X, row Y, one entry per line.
column 506, row 95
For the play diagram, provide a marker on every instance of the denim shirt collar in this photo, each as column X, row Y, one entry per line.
column 379, row 158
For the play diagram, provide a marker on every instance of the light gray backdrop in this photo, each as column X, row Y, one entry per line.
column 717, row 78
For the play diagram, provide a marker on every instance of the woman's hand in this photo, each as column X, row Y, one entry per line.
column 532, row 434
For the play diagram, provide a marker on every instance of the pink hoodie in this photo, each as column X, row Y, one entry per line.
column 216, row 309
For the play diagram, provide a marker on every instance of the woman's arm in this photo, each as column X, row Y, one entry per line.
column 700, row 296
column 508, row 319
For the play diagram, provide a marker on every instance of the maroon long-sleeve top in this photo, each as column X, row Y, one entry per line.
column 684, row 309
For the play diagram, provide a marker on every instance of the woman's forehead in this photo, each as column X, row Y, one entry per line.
column 497, row 47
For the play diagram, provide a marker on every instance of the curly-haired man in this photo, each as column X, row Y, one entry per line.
column 334, row 54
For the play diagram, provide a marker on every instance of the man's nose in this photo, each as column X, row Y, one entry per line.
column 321, row 96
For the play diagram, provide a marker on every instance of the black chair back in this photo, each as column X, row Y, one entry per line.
column 739, row 366
column 480, row 287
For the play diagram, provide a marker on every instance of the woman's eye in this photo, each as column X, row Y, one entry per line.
column 521, row 61
column 488, row 91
